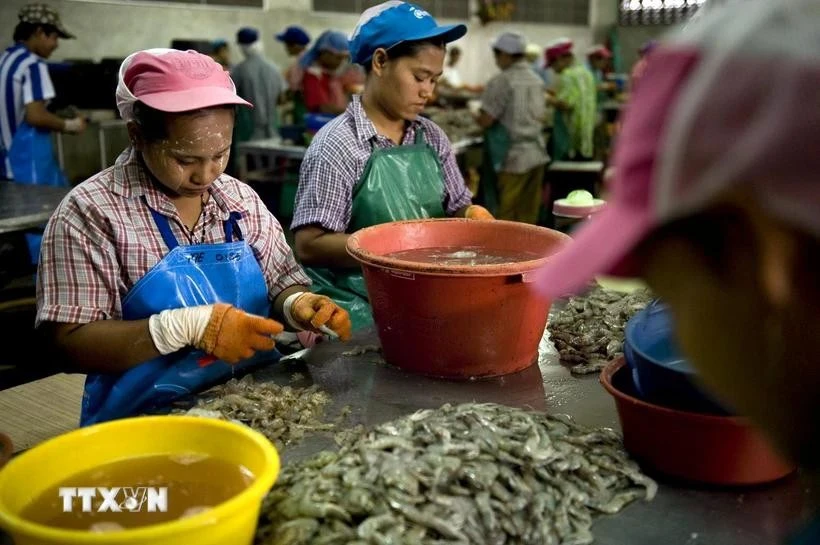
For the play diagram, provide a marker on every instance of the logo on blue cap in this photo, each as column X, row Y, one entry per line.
column 393, row 22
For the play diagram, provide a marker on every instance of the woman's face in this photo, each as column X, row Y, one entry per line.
column 331, row 61
column 745, row 309
column 407, row 83
column 194, row 153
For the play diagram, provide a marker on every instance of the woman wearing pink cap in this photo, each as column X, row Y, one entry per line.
column 158, row 275
column 716, row 202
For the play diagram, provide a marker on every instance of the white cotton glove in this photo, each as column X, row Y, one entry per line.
column 221, row 330
column 74, row 125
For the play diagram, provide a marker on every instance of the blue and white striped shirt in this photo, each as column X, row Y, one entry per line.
column 23, row 79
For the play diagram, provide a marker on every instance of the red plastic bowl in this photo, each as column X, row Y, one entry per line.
column 723, row 450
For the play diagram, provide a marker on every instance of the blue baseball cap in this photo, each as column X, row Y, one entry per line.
column 247, row 35
column 294, row 35
column 393, row 22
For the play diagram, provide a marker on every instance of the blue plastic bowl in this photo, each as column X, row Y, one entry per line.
column 660, row 372
column 314, row 122
column 294, row 133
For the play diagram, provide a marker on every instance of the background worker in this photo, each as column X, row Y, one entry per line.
column 512, row 113
column 575, row 105
column 25, row 89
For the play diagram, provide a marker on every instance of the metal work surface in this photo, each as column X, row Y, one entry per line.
column 25, row 206
column 680, row 514
column 276, row 147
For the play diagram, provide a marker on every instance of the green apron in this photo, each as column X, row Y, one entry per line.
column 496, row 147
column 299, row 108
column 399, row 183
column 560, row 137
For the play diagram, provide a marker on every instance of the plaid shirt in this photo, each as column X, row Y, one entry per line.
column 102, row 239
column 335, row 161
column 515, row 98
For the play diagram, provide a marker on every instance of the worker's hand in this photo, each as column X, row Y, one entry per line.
column 312, row 311
column 220, row 330
column 233, row 335
column 476, row 212
column 75, row 125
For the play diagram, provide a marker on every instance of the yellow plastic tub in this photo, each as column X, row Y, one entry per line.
column 232, row 522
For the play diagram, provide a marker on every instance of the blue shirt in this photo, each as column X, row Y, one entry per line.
column 23, row 79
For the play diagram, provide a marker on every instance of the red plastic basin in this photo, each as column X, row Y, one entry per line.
column 722, row 450
column 455, row 321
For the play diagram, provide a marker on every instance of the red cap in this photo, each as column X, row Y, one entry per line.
column 599, row 51
column 558, row 49
column 180, row 81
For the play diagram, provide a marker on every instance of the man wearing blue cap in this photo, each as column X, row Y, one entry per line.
column 379, row 161
column 259, row 82
column 296, row 41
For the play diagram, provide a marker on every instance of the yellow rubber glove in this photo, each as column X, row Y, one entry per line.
column 476, row 212
column 233, row 335
column 311, row 311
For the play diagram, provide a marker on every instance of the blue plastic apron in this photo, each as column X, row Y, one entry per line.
column 187, row 276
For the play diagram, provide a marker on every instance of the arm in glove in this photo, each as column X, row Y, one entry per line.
column 224, row 331
column 476, row 212
column 312, row 311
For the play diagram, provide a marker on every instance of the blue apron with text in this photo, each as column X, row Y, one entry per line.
column 187, row 276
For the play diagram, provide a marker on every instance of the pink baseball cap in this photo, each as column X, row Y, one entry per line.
column 702, row 122
column 174, row 81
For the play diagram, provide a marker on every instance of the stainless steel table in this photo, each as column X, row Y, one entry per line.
column 679, row 515
column 25, row 206
column 272, row 149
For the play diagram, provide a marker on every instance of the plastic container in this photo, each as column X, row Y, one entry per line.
column 720, row 450
column 576, row 208
column 292, row 133
column 659, row 370
column 314, row 122
column 34, row 241
column 455, row 321
column 234, row 521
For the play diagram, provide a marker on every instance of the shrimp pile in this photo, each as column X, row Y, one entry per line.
column 283, row 414
column 589, row 331
column 467, row 474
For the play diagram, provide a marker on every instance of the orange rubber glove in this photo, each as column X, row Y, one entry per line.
column 312, row 311
column 476, row 212
column 233, row 335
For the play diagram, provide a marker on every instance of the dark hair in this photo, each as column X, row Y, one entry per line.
column 455, row 50
column 153, row 123
column 515, row 57
column 408, row 49
column 23, row 31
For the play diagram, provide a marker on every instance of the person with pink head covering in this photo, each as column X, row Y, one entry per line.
column 640, row 65
column 716, row 203
column 574, row 103
column 162, row 276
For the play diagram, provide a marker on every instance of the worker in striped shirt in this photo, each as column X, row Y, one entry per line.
column 25, row 85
